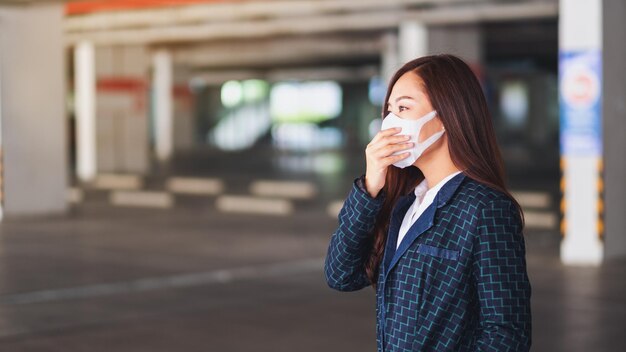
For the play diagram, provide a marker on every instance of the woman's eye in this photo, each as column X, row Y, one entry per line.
column 401, row 108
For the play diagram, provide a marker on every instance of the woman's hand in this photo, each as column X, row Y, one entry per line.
column 378, row 155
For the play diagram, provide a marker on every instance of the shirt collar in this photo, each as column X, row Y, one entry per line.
column 422, row 189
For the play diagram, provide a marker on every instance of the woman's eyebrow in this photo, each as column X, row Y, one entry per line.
column 403, row 97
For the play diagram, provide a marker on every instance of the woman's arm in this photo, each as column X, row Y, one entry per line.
column 347, row 252
column 502, row 282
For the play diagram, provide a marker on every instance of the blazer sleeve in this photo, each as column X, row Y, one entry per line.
column 502, row 282
column 344, row 266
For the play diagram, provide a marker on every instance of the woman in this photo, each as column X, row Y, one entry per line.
column 431, row 225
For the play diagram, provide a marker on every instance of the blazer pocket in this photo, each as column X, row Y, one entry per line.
column 438, row 252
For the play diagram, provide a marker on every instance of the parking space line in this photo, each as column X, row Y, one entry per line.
column 334, row 208
column 193, row 185
column 254, row 205
column 541, row 220
column 117, row 181
column 149, row 199
column 286, row 189
column 75, row 195
column 166, row 282
column 528, row 199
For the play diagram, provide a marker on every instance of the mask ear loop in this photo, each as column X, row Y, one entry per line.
column 430, row 140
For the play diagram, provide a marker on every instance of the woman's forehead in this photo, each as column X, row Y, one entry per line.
column 409, row 84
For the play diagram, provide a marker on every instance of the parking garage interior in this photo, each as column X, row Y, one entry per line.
column 171, row 173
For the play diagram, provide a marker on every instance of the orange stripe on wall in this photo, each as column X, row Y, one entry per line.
column 129, row 84
column 120, row 84
column 137, row 88
column 181, row 91
column 84, row 7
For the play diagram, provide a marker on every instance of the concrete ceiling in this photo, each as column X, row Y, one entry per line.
column 25, row 2
column 252, row 38
column 262, row 19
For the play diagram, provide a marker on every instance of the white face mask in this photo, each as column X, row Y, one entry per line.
column 412, row 128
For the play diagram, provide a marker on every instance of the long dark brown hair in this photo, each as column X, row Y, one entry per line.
column 456, row 95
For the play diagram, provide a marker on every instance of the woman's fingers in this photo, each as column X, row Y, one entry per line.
column 394, row 158
column 379, row 156
column 388, row 140
column 389, row 131
column 385, row 133
column 392, row 148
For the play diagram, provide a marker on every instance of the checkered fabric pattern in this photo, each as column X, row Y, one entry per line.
column 458, row 280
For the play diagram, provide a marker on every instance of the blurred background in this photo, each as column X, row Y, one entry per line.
column 171, row 171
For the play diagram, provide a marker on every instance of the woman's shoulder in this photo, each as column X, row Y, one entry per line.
column 482, row 200
column 480, row 194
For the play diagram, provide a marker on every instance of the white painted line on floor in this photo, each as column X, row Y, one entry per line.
column 147, row 199
column 532, row 199
column 166, row 282
column 254, row 205
column 75, row 195
column 286, row 189
column 190, row 185
column 334, row 208
column 118, row 181
column 541, row 219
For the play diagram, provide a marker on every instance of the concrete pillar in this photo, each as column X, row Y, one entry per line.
column 464, row 41
column 580, row 75
column 163, row 122
column 122, row 109
column 1, row 143
column 85, row 98
column 614, row 129
column 390, row 61
column 409, row 43
column 412, row 41
column 184, row 103
column 32, row 109
column 415, row 39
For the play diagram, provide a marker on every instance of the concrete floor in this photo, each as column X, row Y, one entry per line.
column 190, row 278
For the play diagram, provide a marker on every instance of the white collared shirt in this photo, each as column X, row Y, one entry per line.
column 423, row 198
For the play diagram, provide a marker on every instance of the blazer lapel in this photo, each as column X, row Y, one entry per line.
column 423, row 223
column 394, row 227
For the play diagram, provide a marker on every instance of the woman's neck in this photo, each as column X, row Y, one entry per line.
column 436, row 165
column 435, row 175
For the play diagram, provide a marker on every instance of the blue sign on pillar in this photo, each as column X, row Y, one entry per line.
column 580, row 91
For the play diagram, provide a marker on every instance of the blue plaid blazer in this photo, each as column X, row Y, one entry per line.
column 458, row 280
